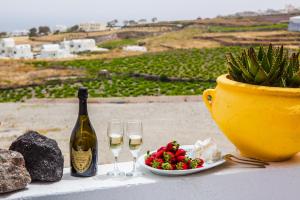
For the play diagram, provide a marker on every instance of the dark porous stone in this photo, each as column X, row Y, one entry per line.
column 43, row 158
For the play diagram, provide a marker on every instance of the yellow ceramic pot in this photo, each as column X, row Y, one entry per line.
column 262, row 122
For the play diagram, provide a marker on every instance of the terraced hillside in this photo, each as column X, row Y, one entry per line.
column 291, row 39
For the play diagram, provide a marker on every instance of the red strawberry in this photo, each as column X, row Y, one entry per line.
column 167, row 166
column 180, row 152
column 172, row 146
column 193, row 164
column 168, row 156
column 157, row 162
column 153, row 154
column 162, row 148
column 182, row 159
column 173, row 165
column 189, row 162
column 160, row 153
column 196, row 163
column 181, row 166
column 200, row 162
column 149, row 160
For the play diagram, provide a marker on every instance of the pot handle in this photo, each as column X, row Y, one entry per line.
column 208, row 97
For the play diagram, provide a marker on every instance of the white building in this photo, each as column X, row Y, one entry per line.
column 21, row 51
column 92, row 26
column 8, row 49
column 135, row 48
column 294, row 24
column 5, row 45
column 80, row 45
column 59, row 28
column 65, row 45
column 50, row 51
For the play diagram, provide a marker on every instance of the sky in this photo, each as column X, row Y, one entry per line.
column 24, row 14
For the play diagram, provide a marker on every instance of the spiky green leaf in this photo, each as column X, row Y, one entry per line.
column 253, row 62
column 260, row 53
column 265, row 63
column 270, row 54
column 244, row 69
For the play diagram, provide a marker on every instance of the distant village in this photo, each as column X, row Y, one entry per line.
column 288, row 9
column 65, row 49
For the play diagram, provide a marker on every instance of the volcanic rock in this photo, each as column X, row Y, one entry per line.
column 13, row 174
column 43, row 158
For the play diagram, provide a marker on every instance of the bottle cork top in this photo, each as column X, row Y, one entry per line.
column 83, row 92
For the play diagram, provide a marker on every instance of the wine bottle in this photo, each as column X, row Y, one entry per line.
column 83, row 142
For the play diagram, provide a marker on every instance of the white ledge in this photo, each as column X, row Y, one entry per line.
column 278, row 181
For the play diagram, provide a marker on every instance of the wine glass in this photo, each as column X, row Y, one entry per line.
column 115, row 133
column 134, row 132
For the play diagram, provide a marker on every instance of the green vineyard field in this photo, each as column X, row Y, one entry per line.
column 204, row 65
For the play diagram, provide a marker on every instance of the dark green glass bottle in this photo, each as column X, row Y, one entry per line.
column 83, row 142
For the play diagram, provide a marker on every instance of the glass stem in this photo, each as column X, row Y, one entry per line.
column 134, row 164
column 116, row 163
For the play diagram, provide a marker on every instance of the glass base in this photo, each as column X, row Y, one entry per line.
column 115, row 173
column 134, row 173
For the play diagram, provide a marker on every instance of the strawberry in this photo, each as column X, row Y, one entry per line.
column 160, row 153
column 168, row 156
column 181, row 166
column 153, row 154
column 193, row 164
column 200, row 162
column 182, row 159
column 196, row 163
column 180, row 152
column 162, row 148
column 173, row 165
column 157, row 162
column 149, row 160
column 172, row 146
column 189, row 162
column 167, row 166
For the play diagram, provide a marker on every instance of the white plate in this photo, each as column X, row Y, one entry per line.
column 189, row 149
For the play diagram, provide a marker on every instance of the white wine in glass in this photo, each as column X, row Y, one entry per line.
column 134, row 131
column 115, row 143
column 115, row 133
column 135, row 144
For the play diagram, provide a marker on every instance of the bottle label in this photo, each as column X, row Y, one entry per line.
column 81, row 160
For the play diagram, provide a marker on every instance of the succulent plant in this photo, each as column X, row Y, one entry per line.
column 272, row 67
